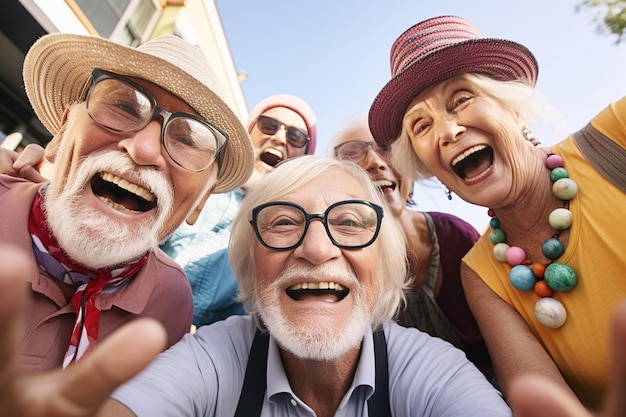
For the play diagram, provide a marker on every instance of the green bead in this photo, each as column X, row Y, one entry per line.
column 558, row 173
column 497, row 236
column 560, row 277
column 552, row 248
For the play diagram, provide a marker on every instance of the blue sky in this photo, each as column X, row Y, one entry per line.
column 335, row 55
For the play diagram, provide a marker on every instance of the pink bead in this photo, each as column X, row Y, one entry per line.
column 554, row 161
column 515, row 255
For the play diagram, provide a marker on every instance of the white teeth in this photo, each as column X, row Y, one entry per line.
column 130, row 187
column 330, row 285
column 383, row 183
column 116, row 206
column 479, row 176
column 274, row 152
column 467, row 153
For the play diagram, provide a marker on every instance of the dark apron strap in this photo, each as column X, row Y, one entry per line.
column 255, row 383
column 378, row 404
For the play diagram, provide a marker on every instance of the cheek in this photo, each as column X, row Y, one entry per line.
column 268, row 264
column 425, row 150
column 295, row 152
column 257, row 138
column 365, row 264
column 188, row 188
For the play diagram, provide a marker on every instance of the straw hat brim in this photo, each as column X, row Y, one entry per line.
column 499, row 58
column 57, row 72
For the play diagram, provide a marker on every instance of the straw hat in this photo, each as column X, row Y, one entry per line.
column 437, row 49
column 292, row 103
column 57, row 73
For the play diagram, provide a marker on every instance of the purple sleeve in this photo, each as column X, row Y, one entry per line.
column 456, row 237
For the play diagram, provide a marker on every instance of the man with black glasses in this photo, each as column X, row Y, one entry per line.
column 322, row 270
column 141, row 138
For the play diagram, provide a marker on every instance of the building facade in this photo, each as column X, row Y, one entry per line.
column 129, row 22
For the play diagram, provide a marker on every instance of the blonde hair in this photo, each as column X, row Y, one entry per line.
column 290, row 176
column 516, row 96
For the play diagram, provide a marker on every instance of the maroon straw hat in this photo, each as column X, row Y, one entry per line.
column 434, row 50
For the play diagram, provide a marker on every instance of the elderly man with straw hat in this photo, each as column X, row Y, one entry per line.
column 141, row 138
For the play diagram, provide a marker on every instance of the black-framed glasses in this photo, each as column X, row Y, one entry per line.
column 350, row 224
column 296, row 137
column 356, row 150
column 121, row 105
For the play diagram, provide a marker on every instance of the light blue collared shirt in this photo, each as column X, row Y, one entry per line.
column 203, row 374
column 201, row 250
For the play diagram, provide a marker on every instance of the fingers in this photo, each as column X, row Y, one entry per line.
column 15, row 270
column 7, row 158
column 25, row 164
column 31, row 174
column 14, row 273
column 90, row 381
column 29, row 162
column 615, row 402
column 81, row 388
column 534, row 396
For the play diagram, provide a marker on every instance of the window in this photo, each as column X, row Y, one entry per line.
column 124, row 21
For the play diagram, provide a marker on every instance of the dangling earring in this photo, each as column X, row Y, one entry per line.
column 448, row 193
column 528, row 135
column 409, row 201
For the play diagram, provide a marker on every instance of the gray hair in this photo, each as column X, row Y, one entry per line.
column 358, row 122
column 288, row 177
column 518, row 97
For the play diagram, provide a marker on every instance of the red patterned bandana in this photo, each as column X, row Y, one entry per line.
column 89, row 283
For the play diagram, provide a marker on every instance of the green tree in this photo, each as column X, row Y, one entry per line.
column 609, row 16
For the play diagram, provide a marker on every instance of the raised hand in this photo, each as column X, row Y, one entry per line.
column 30, row 164
column 533, row 396
column 83, row 387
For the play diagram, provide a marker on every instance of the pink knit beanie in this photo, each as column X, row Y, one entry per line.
column 290, row 102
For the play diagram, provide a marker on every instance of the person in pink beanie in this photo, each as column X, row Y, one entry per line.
column 281, row 126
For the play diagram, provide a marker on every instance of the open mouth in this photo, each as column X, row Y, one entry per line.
column 474, row 163
column 122, row 195
column 327, row 291
column 272, row 157
column 385, row 186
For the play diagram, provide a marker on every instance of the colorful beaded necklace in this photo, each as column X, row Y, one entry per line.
column 544, row 279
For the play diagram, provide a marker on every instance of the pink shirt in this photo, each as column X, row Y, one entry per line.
column 160, row 290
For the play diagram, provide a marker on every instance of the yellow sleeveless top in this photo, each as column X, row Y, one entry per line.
column 596, row 251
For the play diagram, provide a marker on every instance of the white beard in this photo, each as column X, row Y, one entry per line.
column 90, row 237
column 320, row 343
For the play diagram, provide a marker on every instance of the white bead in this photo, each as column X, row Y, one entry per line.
column 560, row 219
column 499, row 251
column 550, row 312
column 565, row 188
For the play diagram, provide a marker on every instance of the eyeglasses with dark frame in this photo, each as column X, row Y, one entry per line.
column 121, row 105
column 296, row 137
column 350, row 224
column 357, row 150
